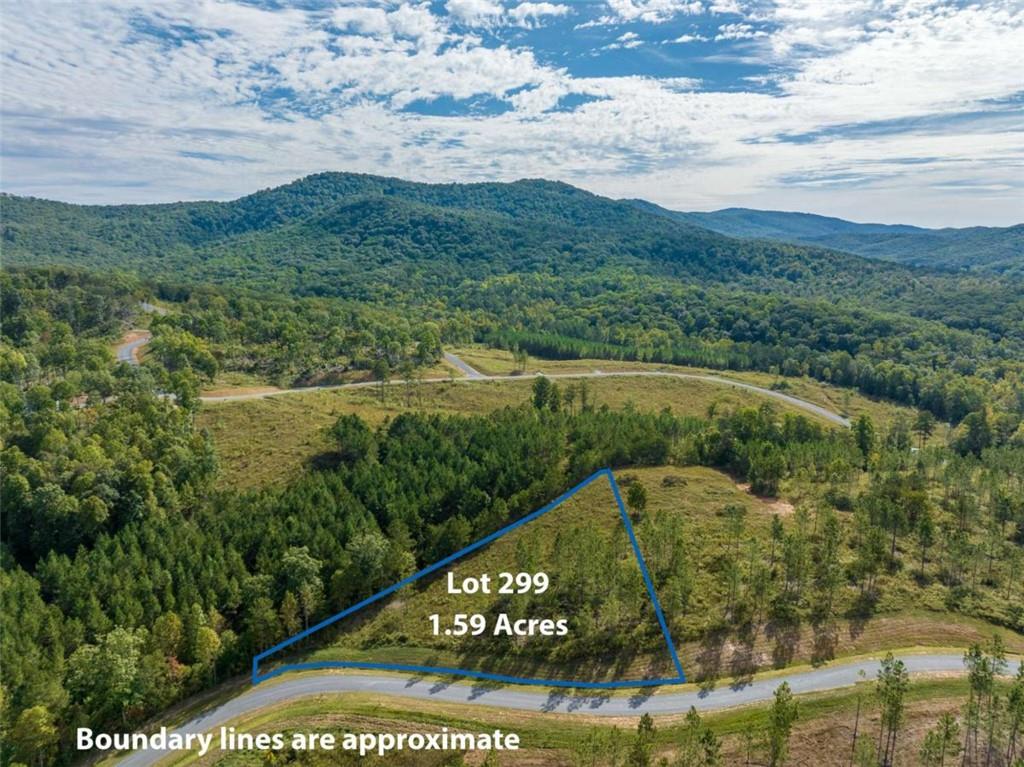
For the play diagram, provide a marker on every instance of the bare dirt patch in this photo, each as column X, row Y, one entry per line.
column 229, row 391
column 774, row 505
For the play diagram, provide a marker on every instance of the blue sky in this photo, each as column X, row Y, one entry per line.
column 866, row 109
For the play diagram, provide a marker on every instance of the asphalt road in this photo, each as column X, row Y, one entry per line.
column 809, row 407
column 462, row 365
column 126, row 352
column 560, row 701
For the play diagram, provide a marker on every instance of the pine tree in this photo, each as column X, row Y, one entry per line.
column 783, row 715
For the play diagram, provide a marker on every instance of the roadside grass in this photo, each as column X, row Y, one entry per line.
column 822, row 734
column 840, row 400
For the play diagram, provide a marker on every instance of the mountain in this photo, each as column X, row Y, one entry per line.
column 325, row 233
column 985, row 249
column 397, row 242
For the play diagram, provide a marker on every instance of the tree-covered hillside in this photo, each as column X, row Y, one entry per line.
column 334, row 233
column 550, row 269
column 997, row 250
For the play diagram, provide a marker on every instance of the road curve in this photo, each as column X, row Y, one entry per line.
column 557, row 701
column 128, row 351
column 809, row 407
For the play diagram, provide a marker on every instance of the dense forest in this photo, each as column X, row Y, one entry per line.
column 551, row 269
column 133, row 582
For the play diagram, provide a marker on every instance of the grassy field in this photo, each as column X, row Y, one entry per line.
column 270, row 440
column 822, row 736
column 844, row 401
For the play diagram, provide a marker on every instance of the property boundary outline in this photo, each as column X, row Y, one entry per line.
column 606, row 473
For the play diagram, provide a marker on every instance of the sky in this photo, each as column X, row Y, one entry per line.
column 871, row 110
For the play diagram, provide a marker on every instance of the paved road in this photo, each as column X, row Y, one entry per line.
column 128, row 352
column 809, row 407
column 760, row 690
column 152, row 308
column 462, row 365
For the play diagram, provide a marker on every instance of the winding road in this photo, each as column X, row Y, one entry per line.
column 129, row 350
column 841, row 674
column 473, row 375
column 131, row 347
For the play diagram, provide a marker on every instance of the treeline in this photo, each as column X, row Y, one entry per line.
column 60, row 322
column 573, row 272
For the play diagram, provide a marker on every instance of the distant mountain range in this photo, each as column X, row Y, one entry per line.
column 395, row 242
column 978, row 248
column 352, row 235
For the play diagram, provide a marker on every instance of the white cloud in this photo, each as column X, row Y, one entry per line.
column 652, row 11
column 475, row 12
column 725, row 6
column 739, row 32
column 532, row 14
column 97, row 108
column 688, row 39
column 627, row 40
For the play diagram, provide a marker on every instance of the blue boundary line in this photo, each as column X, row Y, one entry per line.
column 646, row 574
column 607, row 473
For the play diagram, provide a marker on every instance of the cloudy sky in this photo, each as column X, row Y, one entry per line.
column 866, row 109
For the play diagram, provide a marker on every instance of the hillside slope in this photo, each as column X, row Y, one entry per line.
column 998, row 250
column 326, row 224
column 374, row 238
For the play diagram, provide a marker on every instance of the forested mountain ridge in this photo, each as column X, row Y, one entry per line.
column 545, row 267
column 997, row 250
column 373, row 238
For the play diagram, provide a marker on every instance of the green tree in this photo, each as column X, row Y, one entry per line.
column 167, row 634
column 262, row 625
column 940, row 742
column 891, row 689
column 864, row 436
column 925, row 535
column 542, row 388
column 636, row 499
column 783, row 715
column 207, row 650
column 354, row 440
column 974, row 433
column 34, row 736
column 381, row 372
column 1015, row 717
column 639, row 754
column 105, row 677
column 289, row 614
column 698, row 746
column 924, row 426
column 776, row 536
